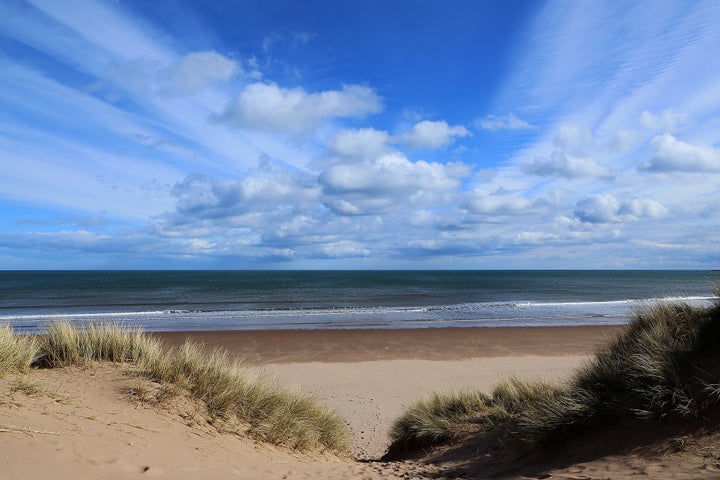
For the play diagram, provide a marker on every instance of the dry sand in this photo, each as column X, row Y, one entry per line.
column 82, row 423
column 372, row 394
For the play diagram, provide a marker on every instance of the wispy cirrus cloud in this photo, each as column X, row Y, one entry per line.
column 196, row 70
column 505, row 122
column 667, row 121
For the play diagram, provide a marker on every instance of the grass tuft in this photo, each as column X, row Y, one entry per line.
column 438, row 418
column 17, row 353
column 515, row 394
column 64, row 344
column 444, row 416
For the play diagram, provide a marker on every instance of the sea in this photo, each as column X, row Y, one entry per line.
column 262, row 300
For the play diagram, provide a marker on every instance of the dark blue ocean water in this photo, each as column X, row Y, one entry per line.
column 221, row 300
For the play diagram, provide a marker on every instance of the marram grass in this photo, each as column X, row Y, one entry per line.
column 438, row 418
column 63, row 344
column 666, row 362
column 662, row 365
column 232, row 394
column 444, row 416
column 17, row 353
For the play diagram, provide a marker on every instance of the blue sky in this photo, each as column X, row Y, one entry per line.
column 374, row 134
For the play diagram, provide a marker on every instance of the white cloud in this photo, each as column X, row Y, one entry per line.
column 265, row 196
column 634, row 208
column 266, row 106
column 500, row 203
column 388, row 182
column 433, row 135
column 506, row 122
column 362, row 143
column 568, row 166
column 390, row 173
column 606, row 208
column 666, row 121
column 197, row 70
column 673, row 155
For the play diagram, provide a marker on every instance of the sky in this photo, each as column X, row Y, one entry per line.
column 369, row 134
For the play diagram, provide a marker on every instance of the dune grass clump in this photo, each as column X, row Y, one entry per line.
column 232, row 394
column 515, row 394
column 64, row 344
column 665, row 363
column 17, row 353
column 444, row 416
column 438, row 418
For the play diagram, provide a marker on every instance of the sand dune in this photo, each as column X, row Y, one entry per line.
column 74, row 423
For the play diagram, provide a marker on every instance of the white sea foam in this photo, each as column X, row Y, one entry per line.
column 512, row 313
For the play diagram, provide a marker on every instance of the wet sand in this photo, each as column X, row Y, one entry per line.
column 288, row 346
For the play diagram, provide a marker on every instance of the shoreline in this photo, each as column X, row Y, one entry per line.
column 358, row 345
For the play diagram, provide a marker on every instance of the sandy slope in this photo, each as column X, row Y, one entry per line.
column 84, row 424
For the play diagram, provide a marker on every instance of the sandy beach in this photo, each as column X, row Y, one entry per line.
column 371, row 376
column 83, row 423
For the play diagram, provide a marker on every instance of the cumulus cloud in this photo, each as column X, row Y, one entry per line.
column 634, row 208
column 505, row 122
column 386, row 182
column 197, row 70
column 499, row 203
column 433, row 135
column 265, row 196
column 362, row 143
column 606, row 208
column 567, row 166
column 266, row 106
column 673, row 155
column 667, row 121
